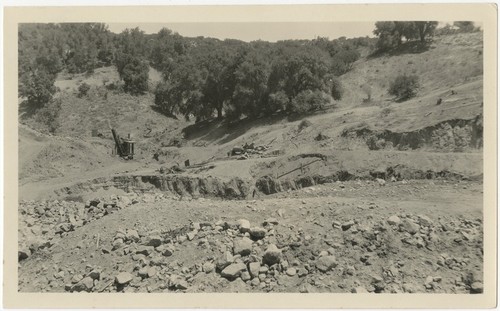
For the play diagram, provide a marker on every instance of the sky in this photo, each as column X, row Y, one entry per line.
column 257, row 31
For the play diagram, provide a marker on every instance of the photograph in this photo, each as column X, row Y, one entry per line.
column 252, row 157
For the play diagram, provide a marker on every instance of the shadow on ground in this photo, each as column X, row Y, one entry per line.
column 222, row 131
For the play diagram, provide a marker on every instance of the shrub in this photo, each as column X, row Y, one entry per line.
column 303, row 124
column 83, row 89
column 375, row 143
column 113, row 86
column 276, row 101
column 385, row 111
column 321, row 137
column 163, row 99
column 49, row 115
column 309, row 100
column 337, row 89
column 404, row 86
column 134, row 72
column 135, row 76
column 38, row 88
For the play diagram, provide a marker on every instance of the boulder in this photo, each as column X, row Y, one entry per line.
column 270, row 221
column 476, row 287
column 242, row 246
column 359, row 290
column 86, row 284
column 409, row 226
column 132, row 235
column 145, row 250
column 245, row 276
column 143, row 272
column 424, row 221
column 225, row 260
column 254, row 268
column 258, row 232
column 244, row 225
column 191, row 235
column 23, row 253
column 177, row 282
column 117, row 243
column 208, row 267
column 165, row 250
column 154, row 241
column 64, row 227
column 326, row 263
column 393, row 220
column 347, row 225
column 76, row 278
column 272, row 255
column 123, row 278
column 95, row 274
column 151, row 272
column 233, row 271
column 291, row 271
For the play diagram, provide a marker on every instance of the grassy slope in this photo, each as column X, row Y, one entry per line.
column 451, row 63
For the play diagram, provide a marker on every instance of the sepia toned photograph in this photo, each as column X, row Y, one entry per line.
column 339, row 157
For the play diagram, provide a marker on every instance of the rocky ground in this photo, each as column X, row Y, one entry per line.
column 357, row 236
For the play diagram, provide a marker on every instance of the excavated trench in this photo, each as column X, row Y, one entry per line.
column 270, row 185
column 182, row 185
column 237, row 188
column 452, row 135
column 305, row 170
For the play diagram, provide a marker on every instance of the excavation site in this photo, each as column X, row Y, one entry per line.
column 162, row 162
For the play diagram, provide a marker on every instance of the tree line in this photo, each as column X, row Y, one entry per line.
column 391, row 33
column 236, row 79
column 201, row 76
column 205, row 77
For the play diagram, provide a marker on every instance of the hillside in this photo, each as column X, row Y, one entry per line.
column 360, row 196
column 451, row 64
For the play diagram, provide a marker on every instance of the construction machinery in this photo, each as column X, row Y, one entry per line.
column 124, row 147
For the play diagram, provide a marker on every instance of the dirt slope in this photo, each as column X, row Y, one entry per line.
column 43, row 157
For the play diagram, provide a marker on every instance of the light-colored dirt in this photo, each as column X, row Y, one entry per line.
column 372, row 254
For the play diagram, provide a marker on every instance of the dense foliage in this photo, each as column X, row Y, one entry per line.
column 404, row 86
column 37, row 87
column 48, row 115
column 134, row 73
column 46, row 49
column 457, row 27
column 236, row 79
column 391, row 34
column 83, row 89
column 205, row 77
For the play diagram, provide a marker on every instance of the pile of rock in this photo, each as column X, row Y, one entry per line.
column 272, row 255
column 256, row 260
column 84, row 283
column 40, row 222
